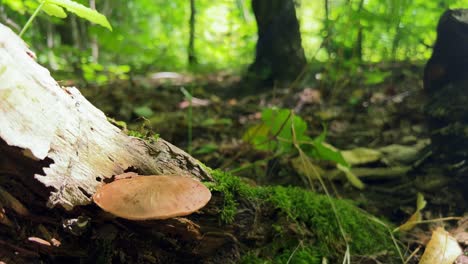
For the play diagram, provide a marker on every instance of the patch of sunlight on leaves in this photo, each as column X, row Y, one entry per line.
column 352, row 178
column 15, row 5
column 375, row 77
column 82, row 11
column 360, row 156
column 54, row 10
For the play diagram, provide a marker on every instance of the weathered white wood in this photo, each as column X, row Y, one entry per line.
column 50, row 121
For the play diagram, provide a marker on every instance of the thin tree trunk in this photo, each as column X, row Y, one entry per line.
column 94, row 39
column 359, row 38
column 192, row 58
column 50, row 46
column 327, row 29
column 75, row 32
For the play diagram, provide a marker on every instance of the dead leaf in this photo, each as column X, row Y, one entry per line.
column 441, row 249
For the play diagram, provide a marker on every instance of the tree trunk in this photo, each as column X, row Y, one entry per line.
column 192, row 58
column 94, row 38
column 445, row 83
column 357, row 53
column 279, row 54
column 326, row 27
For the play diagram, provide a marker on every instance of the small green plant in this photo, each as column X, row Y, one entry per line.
column 283, row 132
column 275, row 134
column 57, row 8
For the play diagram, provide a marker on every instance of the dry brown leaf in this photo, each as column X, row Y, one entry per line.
column 441, row 249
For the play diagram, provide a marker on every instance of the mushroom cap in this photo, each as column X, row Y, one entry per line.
column 152, row 197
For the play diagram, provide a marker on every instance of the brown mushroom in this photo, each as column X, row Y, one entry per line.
column 152, row 197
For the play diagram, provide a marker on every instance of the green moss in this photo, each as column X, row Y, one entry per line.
column 364, row 235
column 310, row 211
column 293, row 255
column 230, row 187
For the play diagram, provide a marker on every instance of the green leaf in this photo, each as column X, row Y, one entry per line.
column 416, row 217
column 280, row 123
column 360, row 155
column 376, row 77
column 325, row 151
column 83, row 12
column 258, row 136
column 15, row 5
column 54, row 10
column 352, row 178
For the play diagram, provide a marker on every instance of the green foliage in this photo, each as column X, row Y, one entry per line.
column 97, row 73
column 56, row 8
column 15, row 5
column 276, row 134
column 153, row 35
column 375, row 77
column 324, row 151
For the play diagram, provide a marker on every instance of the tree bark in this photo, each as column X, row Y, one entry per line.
column 192, row 58
column 279, row 54
column 360, row 35
column 445, row 83
column 94, row 38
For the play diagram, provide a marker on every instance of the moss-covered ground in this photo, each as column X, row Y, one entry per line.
column 317, row 233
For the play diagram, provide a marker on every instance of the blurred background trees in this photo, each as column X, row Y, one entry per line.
column 279, row 54
column 161, row 35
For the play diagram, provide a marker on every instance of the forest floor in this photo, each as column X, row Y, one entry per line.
column 374, row 114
